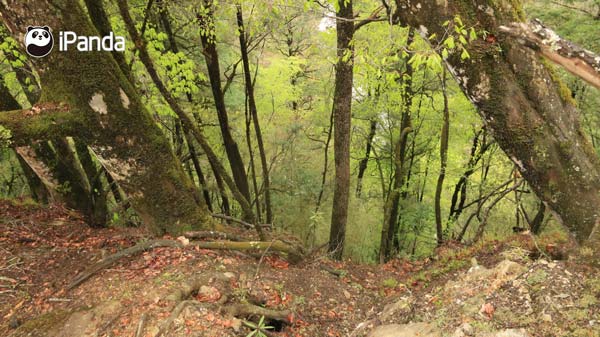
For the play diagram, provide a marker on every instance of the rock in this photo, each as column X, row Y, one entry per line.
column 229, row 275
column 546, row 318
column 479, row 279
column 13, row 323
column 407, row 330
column 506, row 333
column 467, row 329
column 401, row 308
column 463, row 331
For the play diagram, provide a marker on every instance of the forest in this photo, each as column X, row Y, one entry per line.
column 299, row 168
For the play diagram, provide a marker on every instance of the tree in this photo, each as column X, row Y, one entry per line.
column 208, row 38
column 253, row 112
column 85, row 95
column 342, row 115
column 521, row 103
column 439, row 230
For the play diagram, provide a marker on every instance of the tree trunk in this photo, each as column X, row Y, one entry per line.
column 98, row 192
column 199, row 173
column 254, row 114
column 523, row 105
column 101, row 21
column 325, row 163
column 87, row 96
column 390, row 225
column 342, row 116
column 443, row 161
column 207, row 35
column 459, row 197
column 362, row 166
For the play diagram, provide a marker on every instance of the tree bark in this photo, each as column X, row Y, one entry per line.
column 523, row 105
column 85, row 95
column 342, row 116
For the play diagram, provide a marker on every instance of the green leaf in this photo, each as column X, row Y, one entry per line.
column 444, row 53
column 472, row 34
column 465, row 54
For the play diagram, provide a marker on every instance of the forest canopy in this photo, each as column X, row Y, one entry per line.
column 377, row 128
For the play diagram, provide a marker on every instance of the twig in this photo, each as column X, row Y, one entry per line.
column 141, row 325
column 56, row 299
column 262, row 258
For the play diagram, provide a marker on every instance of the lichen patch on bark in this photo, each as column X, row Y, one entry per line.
column 98, row 104
column 124, row 99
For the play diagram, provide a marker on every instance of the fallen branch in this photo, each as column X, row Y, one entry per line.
column 139, row 332
column 578, row 61
column 239, row 221
column 294, row 254
column 202, row 235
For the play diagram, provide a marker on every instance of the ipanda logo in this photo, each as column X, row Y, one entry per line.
column 39, row 41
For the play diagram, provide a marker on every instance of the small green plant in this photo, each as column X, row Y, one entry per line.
column 258, row 329
column 5, row 136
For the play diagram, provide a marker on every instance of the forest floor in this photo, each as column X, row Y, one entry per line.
column 465, row 291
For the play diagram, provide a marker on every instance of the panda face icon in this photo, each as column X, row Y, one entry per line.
column 39, row 41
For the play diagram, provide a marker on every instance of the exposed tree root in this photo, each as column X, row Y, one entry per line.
column 294, row 254
column 174, row 314
column 247, row 310
column 108, row 261
column 194, row 285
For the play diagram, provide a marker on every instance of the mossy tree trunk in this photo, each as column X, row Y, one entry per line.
column 529, row 113
column 87, row 96
column 40, row 189
column 389, row 244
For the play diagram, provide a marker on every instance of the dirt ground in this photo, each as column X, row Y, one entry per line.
column 43, row 248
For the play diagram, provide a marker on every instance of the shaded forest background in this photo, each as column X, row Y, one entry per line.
column 417, row 143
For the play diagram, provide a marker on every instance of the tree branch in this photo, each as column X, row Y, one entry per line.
column 578, row 61
column 43, row 122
